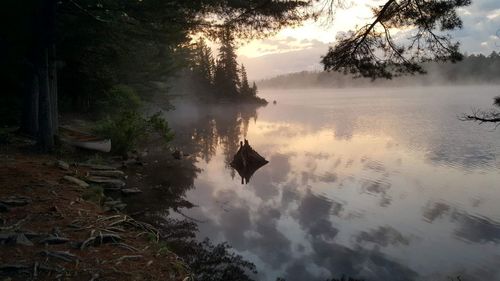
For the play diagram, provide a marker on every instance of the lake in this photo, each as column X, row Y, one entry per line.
column 374, row 183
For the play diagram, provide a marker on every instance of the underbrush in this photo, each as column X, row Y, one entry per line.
column 125, row 125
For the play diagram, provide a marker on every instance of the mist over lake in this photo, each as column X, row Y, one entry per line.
column 381, row 184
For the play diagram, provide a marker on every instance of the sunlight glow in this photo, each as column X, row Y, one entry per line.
column 299, row 38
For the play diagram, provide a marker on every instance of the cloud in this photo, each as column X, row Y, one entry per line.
column 435, row 210
column 383, row 236
column 313, row 214
column 476, row 229
column 358, row 263
column 280, row 63
column 269, row 243
column 378, row 187
column 285, row 55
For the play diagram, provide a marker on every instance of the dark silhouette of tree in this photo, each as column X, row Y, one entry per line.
column 473, row 69
column 372, row 51
column 245, row 87
column 102, row 44
column 481, row 116
column 203, row 65
column 254, row 89
column 227, row 81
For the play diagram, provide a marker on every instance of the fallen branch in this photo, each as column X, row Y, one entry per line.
column 66, row 256
column 17, row 225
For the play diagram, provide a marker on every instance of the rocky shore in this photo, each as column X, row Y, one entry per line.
column 57, row 224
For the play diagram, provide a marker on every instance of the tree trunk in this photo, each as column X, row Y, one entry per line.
column 47, row 117
column 46, row 132
column 54, row 111
column 30, row 109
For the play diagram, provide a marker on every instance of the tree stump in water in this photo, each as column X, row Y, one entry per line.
column 247, row 161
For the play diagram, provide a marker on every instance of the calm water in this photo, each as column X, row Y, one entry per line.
column 383, row 184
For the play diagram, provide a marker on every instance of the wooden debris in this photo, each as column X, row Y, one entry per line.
column 15, row 226
column 13, row 267
column 54, row 240
column 136, row 257
column 65, row 256
column 16, row 201
column 100, row 239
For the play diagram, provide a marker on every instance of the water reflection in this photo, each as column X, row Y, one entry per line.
column 382, row 186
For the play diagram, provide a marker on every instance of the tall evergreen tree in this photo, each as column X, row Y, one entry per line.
column 227, row 81
column 245, row 87
column 203, row 65
column 254, row 89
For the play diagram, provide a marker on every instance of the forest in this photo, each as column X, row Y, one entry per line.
column 472, row 70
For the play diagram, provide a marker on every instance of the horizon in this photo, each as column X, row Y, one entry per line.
column 300, row 48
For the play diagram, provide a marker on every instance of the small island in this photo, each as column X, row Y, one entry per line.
column 220, row 80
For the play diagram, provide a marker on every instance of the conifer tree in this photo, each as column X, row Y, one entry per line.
column 245, row 87
column 227, row 80
column 203, row 64
column 254, row 89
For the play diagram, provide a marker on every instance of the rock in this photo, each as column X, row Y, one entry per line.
column 16, row 201
column 15, row 239
column 54, row 240
column 177, row 154
column 13, row 267
column 76, row 181
column 97, row 167
column 22, row 240
column 114, row 183
column 114, row 205
column 132, row 162
column 6, row 237
column 4, row 208
column 131, row 191
column 108, row 173
column 63, row 165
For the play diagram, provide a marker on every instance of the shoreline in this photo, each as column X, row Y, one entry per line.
column 49, row 231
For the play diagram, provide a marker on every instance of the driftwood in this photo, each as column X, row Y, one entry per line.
column 247, row 161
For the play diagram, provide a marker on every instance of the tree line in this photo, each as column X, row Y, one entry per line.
column 71, row 55
column 222, row 77
column 76, row 55
column 473, row 69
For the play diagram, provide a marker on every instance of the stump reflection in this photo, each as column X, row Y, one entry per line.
column 247, row 161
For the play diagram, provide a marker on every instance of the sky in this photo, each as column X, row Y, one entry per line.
column 301, row 48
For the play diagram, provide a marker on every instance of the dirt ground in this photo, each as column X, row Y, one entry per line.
column 49, row 232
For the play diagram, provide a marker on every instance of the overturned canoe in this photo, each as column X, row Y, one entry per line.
column 84, row 140
column 247, row 161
